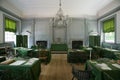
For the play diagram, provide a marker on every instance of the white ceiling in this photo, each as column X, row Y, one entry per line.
column 48, row 8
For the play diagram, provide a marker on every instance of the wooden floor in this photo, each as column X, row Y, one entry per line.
column 57, row 69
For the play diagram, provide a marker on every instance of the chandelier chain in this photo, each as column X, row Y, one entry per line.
column 60, row 20
column 60, row 3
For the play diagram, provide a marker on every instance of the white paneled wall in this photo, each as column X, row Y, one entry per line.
column 1, row 27
column 76, row 29
column 28, row 26
column 43, row 30
column 118, row 27
column 91, row 24
column 41, row 27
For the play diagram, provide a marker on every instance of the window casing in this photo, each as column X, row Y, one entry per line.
column 109, row 30
column 10, row 30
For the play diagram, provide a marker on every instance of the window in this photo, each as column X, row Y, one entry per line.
column 10, row 30
column 110, row 37
column 10, row 36
column 109, row 30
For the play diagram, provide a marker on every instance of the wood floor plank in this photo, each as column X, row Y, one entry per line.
column 57, row 69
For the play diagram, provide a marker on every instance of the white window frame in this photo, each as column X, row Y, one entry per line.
column 103, row 38
column 10, row 37
column 110, row 37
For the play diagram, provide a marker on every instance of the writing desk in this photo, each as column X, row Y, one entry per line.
column 23, row 72
column 107, row 53
column 43, row 54
column 23, row 52
column 76, row 56
column 100, row 73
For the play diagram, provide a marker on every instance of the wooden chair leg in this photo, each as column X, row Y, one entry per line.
column 73, row 78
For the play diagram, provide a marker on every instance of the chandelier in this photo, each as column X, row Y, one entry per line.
column 60, row 20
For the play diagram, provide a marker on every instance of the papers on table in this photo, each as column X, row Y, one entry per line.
column 103, row 66
column 93, row 61
column 34, row 59
column 1, row 56
column 31, row 61
column 19, row 62
column 78, row 50
column 88, row 48
column 116, row 65
column 111, row 49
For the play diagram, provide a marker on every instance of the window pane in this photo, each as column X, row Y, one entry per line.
column 110, row 37
column 10, row 36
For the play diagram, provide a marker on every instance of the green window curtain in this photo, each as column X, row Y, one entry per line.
column 109, row 26
column 10, row 25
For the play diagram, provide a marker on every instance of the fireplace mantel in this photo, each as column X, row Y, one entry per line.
column 76, row 44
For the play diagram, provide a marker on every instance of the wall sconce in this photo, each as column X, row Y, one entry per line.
column 29, row 32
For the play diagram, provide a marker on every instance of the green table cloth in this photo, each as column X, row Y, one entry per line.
column 23, row 52
column 101, row 72
column 109, row 53
column 24, row 71
column 76, row 56
column 38, row 52
column 59, row 47
column 106, row 52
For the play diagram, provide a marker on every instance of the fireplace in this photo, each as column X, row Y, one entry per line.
column 42, row 44
column 76, row 44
